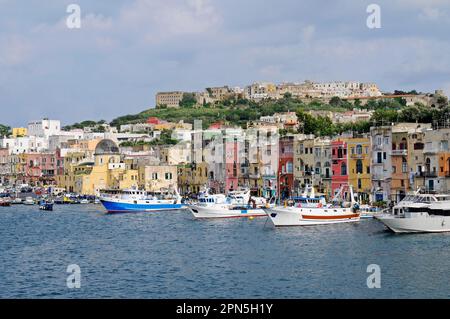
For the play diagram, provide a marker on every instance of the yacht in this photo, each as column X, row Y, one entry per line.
column 133, row 200
column 424, row 213
column 296, row 215
column 236, row 204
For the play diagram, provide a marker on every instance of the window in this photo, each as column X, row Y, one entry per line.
column 359, row 149
column 404, row 166
column 289, row 167
column 359, row 167
column 154, row 176
column 343, row 169
column 168, row 176
column 379, row 159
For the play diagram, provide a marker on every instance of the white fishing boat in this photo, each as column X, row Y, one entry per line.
column 295, row 215
column 237, row 204
column 420, row 217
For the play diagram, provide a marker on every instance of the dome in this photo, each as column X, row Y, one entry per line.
column 106, row 147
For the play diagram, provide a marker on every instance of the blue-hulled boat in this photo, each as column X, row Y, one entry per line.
column 133, row 200
column 45, row 205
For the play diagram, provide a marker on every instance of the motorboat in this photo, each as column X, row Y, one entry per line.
column 339, row 211
column 368, row 211
column 5, row 201
column 17, row 201
column 418, row 197
column 29, row 201
column 45, row 205
column 420, row 217
column 236, row 204
column 134, row 200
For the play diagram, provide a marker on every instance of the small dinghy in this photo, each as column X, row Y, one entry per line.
column 45, row 205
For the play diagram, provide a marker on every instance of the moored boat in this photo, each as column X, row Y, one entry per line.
column 45, row 205
column 291, row 214
column 5, row 202
column 236, row 204
column 367, row 211
column 419, row 218
column 29, row 201
column 133, row 200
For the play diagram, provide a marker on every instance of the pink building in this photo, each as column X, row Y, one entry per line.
column 41, row 168
column 232, row 166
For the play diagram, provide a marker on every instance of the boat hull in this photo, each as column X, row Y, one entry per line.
column 224, row 212
column 121, row 207
column 292, row 216
column 422, row 224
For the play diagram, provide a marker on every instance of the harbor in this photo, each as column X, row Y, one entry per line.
column 173, row 255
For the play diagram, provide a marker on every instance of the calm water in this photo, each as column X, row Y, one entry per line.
column 170, row 255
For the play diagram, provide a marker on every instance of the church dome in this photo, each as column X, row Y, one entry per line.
column 106, row 147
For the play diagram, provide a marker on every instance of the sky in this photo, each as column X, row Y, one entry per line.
column 126, row 51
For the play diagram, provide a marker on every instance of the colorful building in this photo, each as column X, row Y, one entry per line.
column 339, row 165
column 286, row 166
column 19, row 132
column 358, row 150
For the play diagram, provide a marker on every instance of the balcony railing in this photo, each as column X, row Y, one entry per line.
column 426, row 174
column 399, row 152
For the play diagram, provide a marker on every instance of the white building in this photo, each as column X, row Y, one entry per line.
column 27, row 144
column 44, row 128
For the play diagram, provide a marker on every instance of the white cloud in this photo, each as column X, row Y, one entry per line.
column 163, row 19
column 431, row 14
column 14, row 50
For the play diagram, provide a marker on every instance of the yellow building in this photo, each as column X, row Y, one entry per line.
column 359, row 166
column 106, row 171
column 19, row 131
column 156, row 177
column 192, row 177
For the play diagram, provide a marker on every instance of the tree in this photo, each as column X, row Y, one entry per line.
column 335, row 101
column 287, row 95
column 188, row 100
column 4, row 130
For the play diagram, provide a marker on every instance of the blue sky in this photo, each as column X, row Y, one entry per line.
column 126, row 51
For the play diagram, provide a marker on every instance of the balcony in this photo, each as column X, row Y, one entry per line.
column 430, row 150
column 399, row 152
column 357, row 156
column 426, row 174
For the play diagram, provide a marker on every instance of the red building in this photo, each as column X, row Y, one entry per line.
column 339, row 165
column 286, row 166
